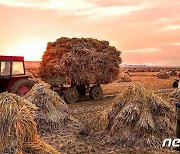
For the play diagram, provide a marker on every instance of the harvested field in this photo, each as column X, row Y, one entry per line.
column 68, row 141
column 148, row 79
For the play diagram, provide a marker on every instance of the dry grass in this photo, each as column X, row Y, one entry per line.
column 136, row 118
column 18, row 130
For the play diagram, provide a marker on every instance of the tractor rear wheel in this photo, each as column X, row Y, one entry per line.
column 96, row 92
column 71, row 95
column 22, row 87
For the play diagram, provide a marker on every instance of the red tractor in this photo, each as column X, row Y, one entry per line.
column 12, row 75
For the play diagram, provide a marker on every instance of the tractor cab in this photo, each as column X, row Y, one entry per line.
column 12, row 75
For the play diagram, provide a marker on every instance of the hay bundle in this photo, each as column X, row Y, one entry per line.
column 124, row 77
column 176, row 94
column 173, row 73
column 53, row 111
column 163, row 75
column 18, row 131
column 37, row 80
column 32, row 77
column 137, row 118
column 81, row 61
column 127, row 72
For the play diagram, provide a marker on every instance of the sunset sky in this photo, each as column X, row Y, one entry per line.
column 146, row 31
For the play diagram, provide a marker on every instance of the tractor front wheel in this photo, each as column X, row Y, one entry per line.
column 22, row 87
column 71, row 95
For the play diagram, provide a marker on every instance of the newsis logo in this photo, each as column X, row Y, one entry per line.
column 175, row 143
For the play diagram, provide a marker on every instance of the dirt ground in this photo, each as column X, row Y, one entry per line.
column 68, row 140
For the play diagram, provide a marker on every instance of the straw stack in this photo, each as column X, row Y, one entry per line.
column 136, row 118
column 18, row 130
column 176, row 94
column 163, row 75
column 127, row 71
column 124, row 77
column 52, row 111
column 81, row 61
column 173, row 73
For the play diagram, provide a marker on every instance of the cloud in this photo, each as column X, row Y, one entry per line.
column 49, row 4
column 82, row 7
column 105, row 3
column 111, row 11
column 172, row 27
column 145, row 50
column 173, row 44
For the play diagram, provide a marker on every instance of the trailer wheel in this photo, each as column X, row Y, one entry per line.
column 81, row 90
column 96, row 92
column 175, row 84
column 22, row 87
column 71, row 95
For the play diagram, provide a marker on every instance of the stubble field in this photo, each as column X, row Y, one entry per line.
column 69, row 140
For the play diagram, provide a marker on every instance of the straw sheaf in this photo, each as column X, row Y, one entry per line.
column 124, row 77
column 163, row 75
column 137, row 114
column 52, row 111
column 18, row 130
column 176, row 94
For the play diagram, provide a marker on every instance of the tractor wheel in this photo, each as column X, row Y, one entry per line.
column 96, row 92
column 71, row 95
column 22, row 87
column 81, row 90
column 175, row 84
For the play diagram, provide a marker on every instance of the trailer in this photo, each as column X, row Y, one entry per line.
column 71, row 93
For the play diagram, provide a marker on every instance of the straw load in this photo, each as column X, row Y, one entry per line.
column 136, row 118
column 52, row 111
column 18, row 130
column 163, row 75
column 124, row 77
column 81, row 61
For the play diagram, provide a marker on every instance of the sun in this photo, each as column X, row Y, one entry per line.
column 31, row 49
